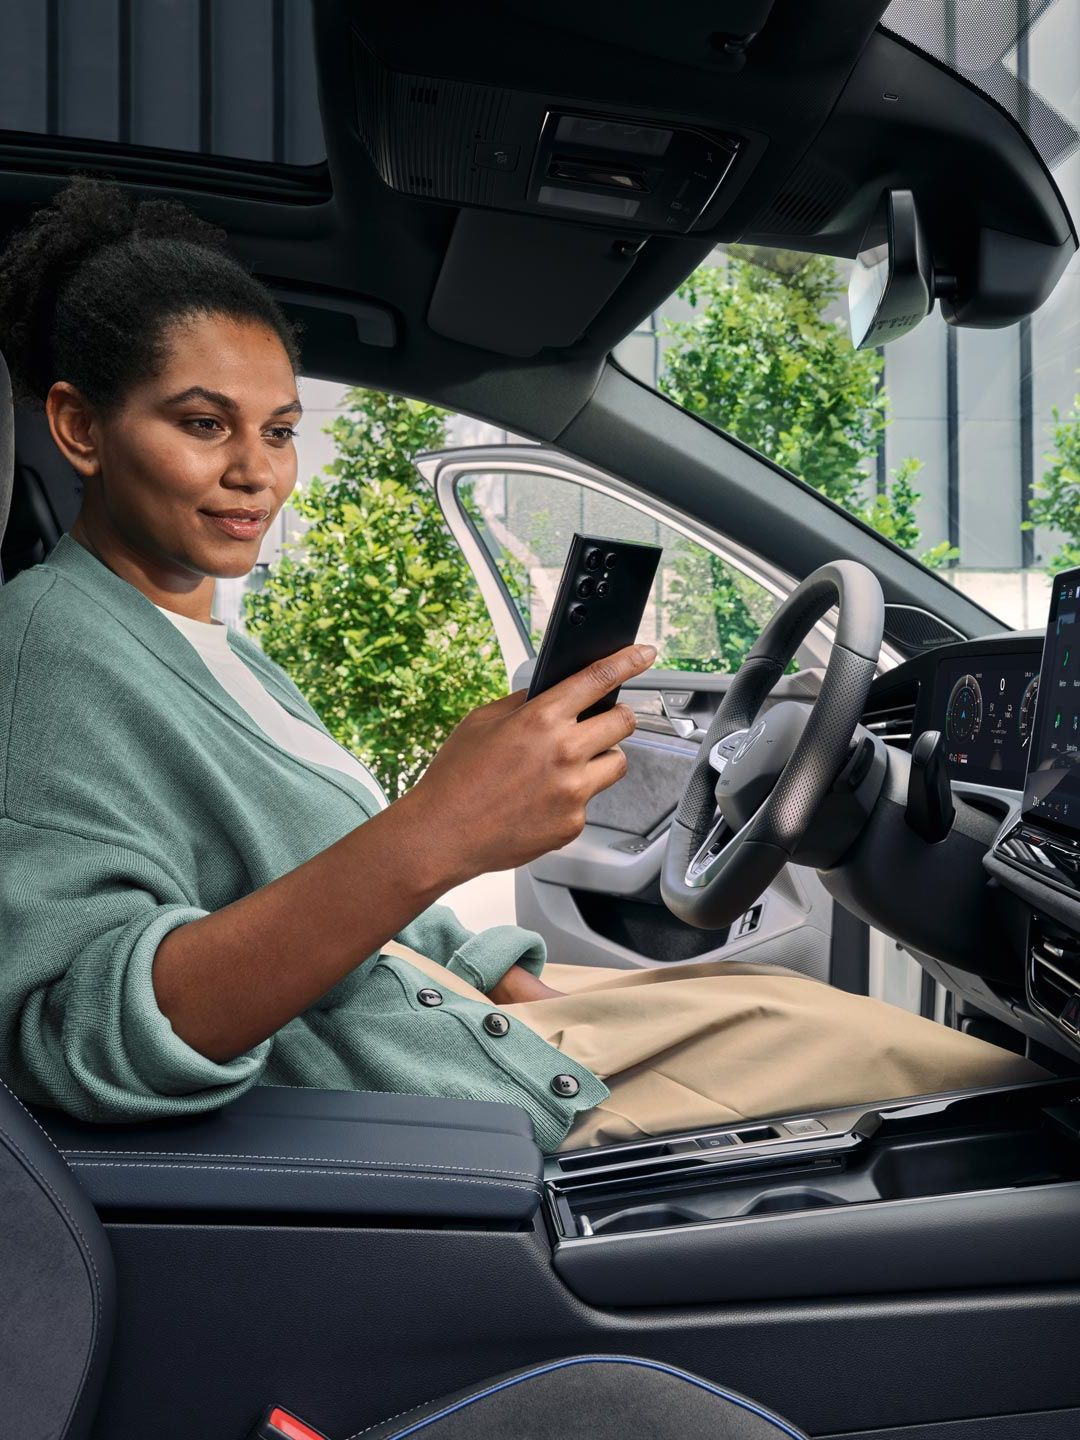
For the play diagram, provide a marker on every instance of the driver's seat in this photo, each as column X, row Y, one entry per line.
column 59, row 1292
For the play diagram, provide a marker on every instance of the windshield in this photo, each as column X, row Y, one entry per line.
column 961, row 445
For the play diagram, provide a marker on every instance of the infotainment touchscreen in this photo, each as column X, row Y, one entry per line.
column 984, row 708
column 1052, row 788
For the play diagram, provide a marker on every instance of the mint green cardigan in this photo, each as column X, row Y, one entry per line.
column 137, row 796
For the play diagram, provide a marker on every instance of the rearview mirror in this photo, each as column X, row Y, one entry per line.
column 892, row 285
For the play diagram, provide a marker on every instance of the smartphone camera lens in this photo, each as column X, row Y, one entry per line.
column 602, row 587
column 585, row 587
column 593, row 560
column 577, row 614
column 610, row 559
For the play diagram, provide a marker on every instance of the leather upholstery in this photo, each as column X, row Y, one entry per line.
column 315, row 1151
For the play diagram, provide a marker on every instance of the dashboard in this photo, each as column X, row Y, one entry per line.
column 981, row 694
column 985, row 708
column 1008, row 707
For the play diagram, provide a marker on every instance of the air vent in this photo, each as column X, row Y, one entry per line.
column 1054, row 975
column 891, row 713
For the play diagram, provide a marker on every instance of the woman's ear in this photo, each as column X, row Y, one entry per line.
column 74, row 427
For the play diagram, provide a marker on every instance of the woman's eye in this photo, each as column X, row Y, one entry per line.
column 203, row 420
column 284, row 432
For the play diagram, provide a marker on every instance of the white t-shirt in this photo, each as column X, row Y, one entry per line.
column 211, row 640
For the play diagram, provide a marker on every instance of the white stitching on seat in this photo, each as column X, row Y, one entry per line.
column 302, row 1159
column 411, row 1411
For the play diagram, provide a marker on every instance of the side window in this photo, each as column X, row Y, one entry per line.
column 703, row 614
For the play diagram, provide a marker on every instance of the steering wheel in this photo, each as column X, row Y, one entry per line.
column 774, row 772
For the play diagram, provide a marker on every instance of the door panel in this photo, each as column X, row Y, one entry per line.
column 657, row 773
column 597, row 900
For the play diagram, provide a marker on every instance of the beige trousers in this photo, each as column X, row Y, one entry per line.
column 693, row 1045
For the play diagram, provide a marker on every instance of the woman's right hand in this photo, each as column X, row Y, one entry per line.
column 512, row 780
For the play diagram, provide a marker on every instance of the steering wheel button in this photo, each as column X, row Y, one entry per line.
column 565, row 1085
column 429, row 997
column 496, row 1024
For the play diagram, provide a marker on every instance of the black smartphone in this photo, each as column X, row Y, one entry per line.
column 601, row 598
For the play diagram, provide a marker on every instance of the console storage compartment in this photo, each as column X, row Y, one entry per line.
column 982, row 1189
column 279, row 1152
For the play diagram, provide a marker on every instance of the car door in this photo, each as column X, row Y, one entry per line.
column 597, row 901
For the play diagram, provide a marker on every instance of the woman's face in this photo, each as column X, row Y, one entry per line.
column 213, row 432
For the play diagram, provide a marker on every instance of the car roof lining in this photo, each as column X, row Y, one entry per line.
column 360, row 264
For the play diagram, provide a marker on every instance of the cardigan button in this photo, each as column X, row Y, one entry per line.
column 429, row 997
column 565, row 1085
column 496, row 1024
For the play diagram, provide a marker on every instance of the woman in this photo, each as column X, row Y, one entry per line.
column 199, row 890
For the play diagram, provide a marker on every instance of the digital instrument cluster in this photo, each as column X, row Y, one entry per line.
column 986, row 711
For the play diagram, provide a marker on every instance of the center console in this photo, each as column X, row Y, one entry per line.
column 1038, row 854
column 974, row 1188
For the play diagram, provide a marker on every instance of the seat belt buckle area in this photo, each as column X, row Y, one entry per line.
column 279, row 1424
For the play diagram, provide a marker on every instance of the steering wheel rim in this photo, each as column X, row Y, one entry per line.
column 708, row 881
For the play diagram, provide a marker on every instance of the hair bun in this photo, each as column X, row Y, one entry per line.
column 88, row 214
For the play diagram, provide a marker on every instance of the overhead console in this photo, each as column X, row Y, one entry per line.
column 539, row 154
column 784, row 128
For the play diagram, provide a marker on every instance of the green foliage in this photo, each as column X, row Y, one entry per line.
column 374, row 613
column 1055, row 497
column 715, row 614
column 892, row 514
column 766, row 359
column 513, row 572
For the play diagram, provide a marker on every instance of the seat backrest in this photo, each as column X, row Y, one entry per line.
column 7, row 449
column 56, row 1270
column 57, row 1283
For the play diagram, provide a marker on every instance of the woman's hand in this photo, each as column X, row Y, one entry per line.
column 513, row 779
column 519, row 984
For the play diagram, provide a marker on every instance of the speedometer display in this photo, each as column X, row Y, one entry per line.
column 985, row 706
column 963, row 719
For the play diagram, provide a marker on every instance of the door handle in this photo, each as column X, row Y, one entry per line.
column 679, row 725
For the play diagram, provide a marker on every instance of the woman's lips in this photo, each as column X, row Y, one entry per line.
column 238, row 529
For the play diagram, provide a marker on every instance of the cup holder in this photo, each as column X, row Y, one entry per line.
column 792, row 1197
column 645, row 1217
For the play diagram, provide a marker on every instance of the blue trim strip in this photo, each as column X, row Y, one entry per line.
column 781, row 1425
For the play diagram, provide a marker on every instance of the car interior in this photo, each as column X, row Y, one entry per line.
column 506, row 191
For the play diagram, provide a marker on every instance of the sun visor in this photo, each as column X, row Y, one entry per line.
column 515, row 284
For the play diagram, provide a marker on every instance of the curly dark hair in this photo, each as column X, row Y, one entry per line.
column 90, row 286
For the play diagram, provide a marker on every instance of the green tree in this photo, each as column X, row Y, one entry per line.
column 765, row 359
column 714, row 614
column 374, row 613
column 1055, row 497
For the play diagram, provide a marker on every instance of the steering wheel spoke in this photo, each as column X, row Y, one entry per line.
column 707, row 859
